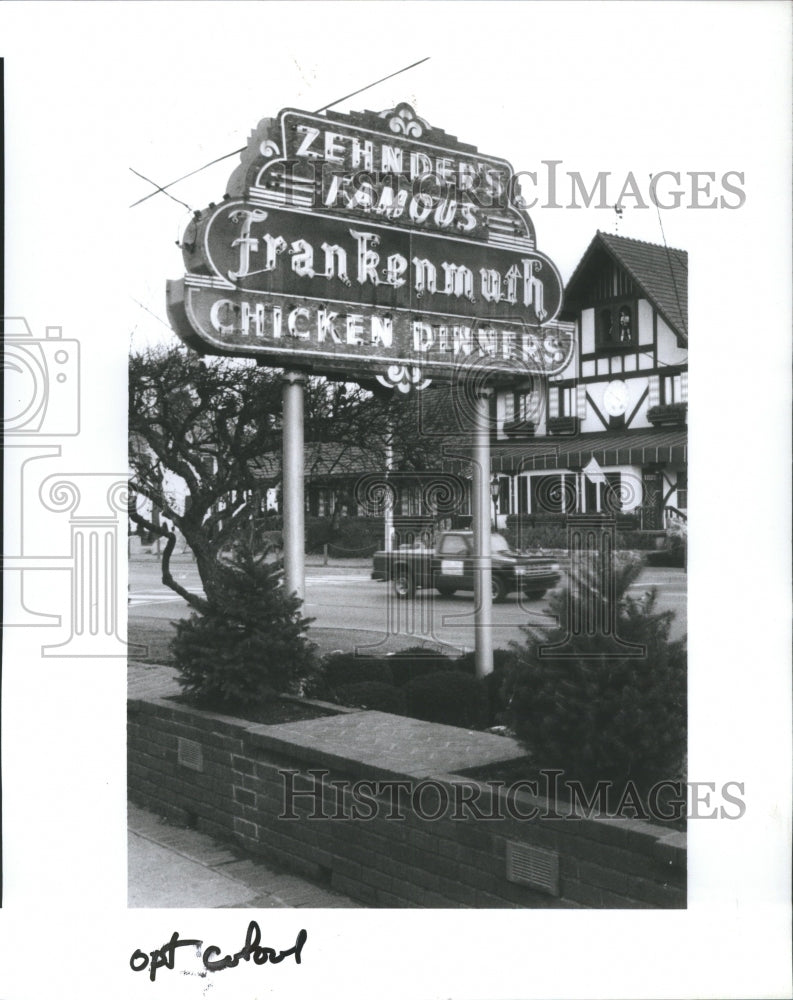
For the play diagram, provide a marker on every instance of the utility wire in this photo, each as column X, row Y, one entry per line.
column 154, row 314
column 154, row 183
column 671, row 271
column 183, row 177
column 369, row 85
column 242, row 149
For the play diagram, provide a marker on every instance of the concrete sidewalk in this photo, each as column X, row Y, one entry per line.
column 173, row 867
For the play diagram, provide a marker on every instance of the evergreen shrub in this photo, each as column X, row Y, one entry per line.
column 493, row 684
column 249, row 643
column 594, row 715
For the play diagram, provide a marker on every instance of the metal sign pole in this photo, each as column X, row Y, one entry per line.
column 389, row 467
column 483, row 597
column 293, row 502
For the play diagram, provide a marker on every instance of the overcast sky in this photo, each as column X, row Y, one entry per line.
column 630, row 90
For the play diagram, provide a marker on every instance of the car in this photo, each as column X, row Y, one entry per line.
column 449, row 567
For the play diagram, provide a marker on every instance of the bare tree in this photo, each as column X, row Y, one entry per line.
column 197, row 427
column 205, row 444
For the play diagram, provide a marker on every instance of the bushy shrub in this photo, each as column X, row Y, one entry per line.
column 346, row 537
column 645, row 541
column 502, row 658
column 493, row 684
column 595, row 715
column 342, row 669
column 669, row 557
column 318, row 532
column 524, row 532
column 673, row 552
column 356, row 537
column 537, row 531
column 248, row 644
column 373, row 695
column 418, row 661
column 447, row 696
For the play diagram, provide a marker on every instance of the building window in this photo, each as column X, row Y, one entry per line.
column 670, row 389
column 612, row 493
column 604, row 498
column 566, row 398
column 526, row 405
column 553, row 494
column 523, row 494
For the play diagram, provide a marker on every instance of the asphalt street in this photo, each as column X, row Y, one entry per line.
column 344, row 596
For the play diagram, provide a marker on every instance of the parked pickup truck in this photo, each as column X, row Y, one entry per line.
column 450, row 567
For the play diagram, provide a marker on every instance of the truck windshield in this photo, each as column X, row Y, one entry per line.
column 499, row 544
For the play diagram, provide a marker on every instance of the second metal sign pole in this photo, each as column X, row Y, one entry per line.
column 292, row 498
column 483, row 595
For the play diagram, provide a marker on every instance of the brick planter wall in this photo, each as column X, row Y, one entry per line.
column 221, row 775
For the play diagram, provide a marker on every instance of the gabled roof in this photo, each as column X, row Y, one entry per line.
column 323, row 458
column 660, row 272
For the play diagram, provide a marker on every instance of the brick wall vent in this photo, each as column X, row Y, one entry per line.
column 534, row 867
column 189, row 754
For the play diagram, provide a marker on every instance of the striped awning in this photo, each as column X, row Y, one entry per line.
column 642, row 447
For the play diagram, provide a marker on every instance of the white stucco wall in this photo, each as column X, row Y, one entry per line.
column 645, row 320
column 587, row 331
column 668, row 351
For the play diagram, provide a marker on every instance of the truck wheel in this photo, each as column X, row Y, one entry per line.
column 498, row 588
column 404, row 585
column 445, row 590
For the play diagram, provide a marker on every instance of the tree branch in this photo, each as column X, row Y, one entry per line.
column 196, row 602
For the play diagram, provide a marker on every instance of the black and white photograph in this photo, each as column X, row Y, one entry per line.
column 371, row 545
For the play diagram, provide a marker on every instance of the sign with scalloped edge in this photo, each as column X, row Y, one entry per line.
column 370, row 245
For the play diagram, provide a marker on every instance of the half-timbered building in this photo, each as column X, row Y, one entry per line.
column 608, row 434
